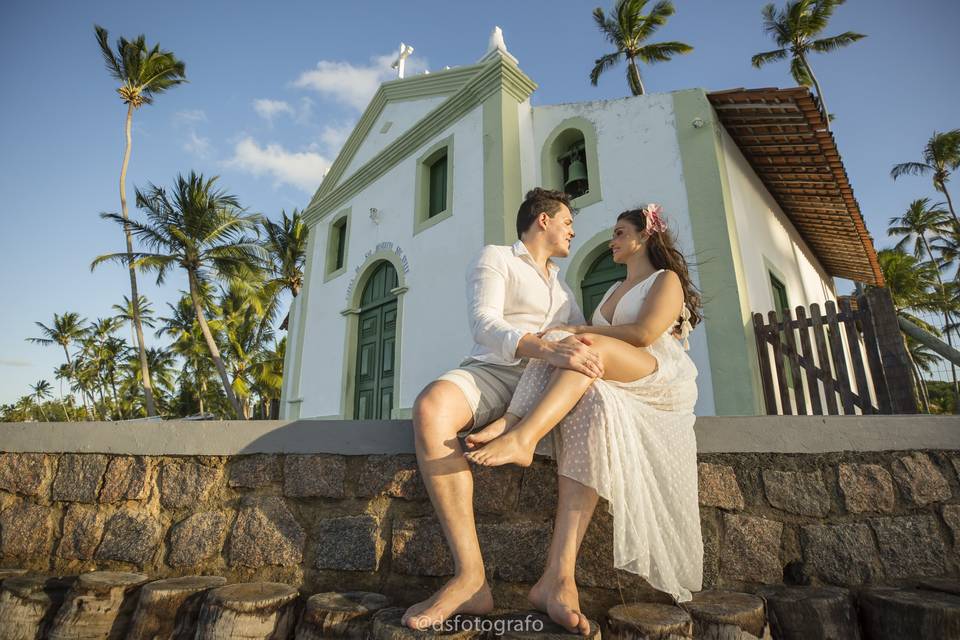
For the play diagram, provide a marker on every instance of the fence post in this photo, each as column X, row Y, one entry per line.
column 897, row 372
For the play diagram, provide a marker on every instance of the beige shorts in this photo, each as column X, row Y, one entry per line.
column 488, row 387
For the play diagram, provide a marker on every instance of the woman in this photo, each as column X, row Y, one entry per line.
column 631, row 436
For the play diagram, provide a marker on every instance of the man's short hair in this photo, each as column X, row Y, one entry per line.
column 536, row 201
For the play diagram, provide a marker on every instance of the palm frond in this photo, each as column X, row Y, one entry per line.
column 910, row 168
column 825, row 45
column 662, row 51
column 602, row 64
column 766, row 57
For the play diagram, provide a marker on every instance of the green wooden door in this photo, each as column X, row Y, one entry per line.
column 601, row 274
column 376, row 346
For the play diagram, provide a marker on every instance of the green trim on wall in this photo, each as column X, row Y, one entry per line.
column 501, row 167
column 329, row 259
column 293, row 368
column 441, row 83
column 730, row 342
column 583, row 258
column 351, row 316
column 552, row 172
column 497, row 76
column 422, row 186
column 772, row 268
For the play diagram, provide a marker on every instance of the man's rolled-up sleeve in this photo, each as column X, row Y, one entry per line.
column 486, row 293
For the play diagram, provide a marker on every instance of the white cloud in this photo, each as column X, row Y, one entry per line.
column 197, row 145
column 189, row 117
column 333, row 137
column 302, row 169
column 15, row 363
column 269, row 109
column 354, row 85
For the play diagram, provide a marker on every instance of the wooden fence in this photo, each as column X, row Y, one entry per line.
column 836, row 361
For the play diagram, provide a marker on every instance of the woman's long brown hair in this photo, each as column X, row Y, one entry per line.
column 665, row 255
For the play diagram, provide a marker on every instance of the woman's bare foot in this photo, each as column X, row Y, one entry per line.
column 558, row 598
column 496, row 428
column 461, row 594
column 510, row 448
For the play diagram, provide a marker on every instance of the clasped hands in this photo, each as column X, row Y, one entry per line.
column 573, row 352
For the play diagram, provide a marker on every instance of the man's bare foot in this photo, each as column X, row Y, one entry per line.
column 496, row 428
column 510, row 448
column 459, row 595
column 558, row 598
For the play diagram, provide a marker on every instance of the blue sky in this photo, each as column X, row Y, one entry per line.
column 275, row 87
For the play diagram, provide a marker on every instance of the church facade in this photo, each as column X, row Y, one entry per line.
column 436, row 168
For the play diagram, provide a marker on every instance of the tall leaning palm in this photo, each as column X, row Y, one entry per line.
column 794, row 28
column 941, row 156
column 201, row 229
column 627, row 28
column 286, row 245
column 143, row 72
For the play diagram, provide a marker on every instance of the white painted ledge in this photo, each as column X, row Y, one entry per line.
column 733, row 434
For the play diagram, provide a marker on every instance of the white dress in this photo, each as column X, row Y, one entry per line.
column 634, row 443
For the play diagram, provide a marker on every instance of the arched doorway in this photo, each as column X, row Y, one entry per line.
column 376, row 345
column 602, row 273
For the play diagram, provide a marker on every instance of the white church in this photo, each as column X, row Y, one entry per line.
column 750, row 180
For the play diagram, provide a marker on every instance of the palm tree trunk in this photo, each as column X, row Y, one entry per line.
column 946, row 319
column 212, row 346
column 921, row 385
column 43, row 414
column 816, row 83
column 635, row 74
column 144, row 367
column 942, row 187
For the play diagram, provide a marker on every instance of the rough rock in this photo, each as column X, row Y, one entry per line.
column 751, row 549
column 349, row 543
column 79, row 476
column 266, row 533
column 82, row 531
column 919, row 479
column 798, row 492
column 308, row 476
column 196, row 538
column 718, row 486
column 842, row 554
column 866, row 488
column 130, row 536
column 186, row 484
column 910, row 546
column 126, row 479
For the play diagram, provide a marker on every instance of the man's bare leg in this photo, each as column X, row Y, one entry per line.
column 556, row 592
column 438, row 414
column 621, row 362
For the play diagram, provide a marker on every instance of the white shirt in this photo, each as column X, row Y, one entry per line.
column 508, row 297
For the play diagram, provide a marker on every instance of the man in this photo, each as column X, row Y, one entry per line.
column 513, row 293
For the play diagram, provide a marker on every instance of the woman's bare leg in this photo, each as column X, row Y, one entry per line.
column 556, row 591
column 621, row 362
column 496, row 428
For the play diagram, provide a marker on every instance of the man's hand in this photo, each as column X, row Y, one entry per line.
column 574, row 353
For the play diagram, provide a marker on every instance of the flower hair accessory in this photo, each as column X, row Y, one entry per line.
column 655, row 223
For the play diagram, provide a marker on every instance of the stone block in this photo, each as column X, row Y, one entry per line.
column 311, row 476
column 266, row 533
column 131, row 536
column 798, row 492
column 186, row 484
column 751, row 549
column 394, row 475
column 538, row 489
column 26, row 530
column 349, row 543
column 866, row 488
column 79, row 476
column 951, row 516
column 25, row 473
column 718, row 486
column 841, row 554
column 496, row 489
column 253, row 472
column 911, row 546
column 920, row 480
column 82, row 531
column 196, row 538
column 125, row 479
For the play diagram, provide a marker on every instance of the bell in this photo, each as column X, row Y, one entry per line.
column 576, row 171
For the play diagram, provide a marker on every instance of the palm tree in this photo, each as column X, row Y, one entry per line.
column 66, row 329
column 189, row 344
column 793, row 29
column 286, row 244
column 41, row 391
column 626, row 29
column 941, row 155
column 143, row 72
column 125, row 312
column 201, row 229
column 920, row 220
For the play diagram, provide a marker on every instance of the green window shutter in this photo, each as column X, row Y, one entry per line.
column 438, row 187
column 341, row 242
column 779, row 295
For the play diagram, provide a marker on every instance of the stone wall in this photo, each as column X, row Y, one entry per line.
column 330, row 521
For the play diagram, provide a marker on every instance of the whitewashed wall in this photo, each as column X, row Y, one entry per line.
column 434, row 335
column 639, row 159
column 765, row 231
